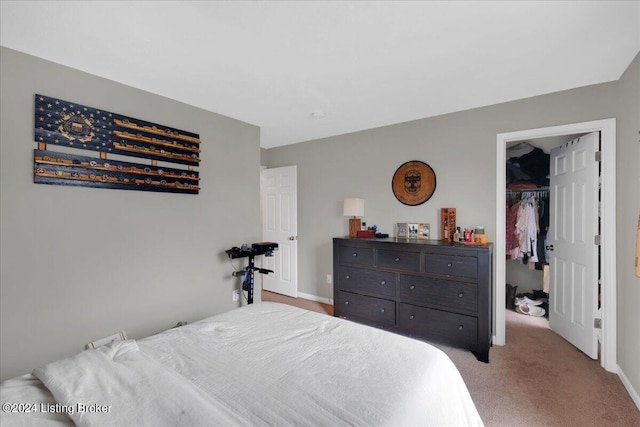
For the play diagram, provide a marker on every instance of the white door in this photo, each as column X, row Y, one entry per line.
column 573, row 296
column 280, row 225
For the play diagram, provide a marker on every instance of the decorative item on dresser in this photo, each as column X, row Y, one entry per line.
column 427, row 289
column 447, row 223
column 354, row 208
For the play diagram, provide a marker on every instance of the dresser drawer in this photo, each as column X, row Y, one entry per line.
column 450, row 328
column 361, row 280
column 451, row 265
column 405, row 261
column 355, row 255
column 448, row 294
column 370, row 310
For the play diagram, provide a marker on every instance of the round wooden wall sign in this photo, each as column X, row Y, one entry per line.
column 414, row 183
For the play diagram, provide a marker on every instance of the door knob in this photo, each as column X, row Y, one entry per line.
column 549, row 247
column 292, row 237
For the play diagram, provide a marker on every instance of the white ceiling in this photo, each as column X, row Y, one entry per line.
column 358, row 64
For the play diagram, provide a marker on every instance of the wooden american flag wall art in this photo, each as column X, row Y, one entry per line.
column 68, row 124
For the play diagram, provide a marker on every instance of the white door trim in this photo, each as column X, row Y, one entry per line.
column 607, row 129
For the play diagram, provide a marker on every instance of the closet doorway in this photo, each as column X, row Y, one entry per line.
column 548, row 137
column 550, row 240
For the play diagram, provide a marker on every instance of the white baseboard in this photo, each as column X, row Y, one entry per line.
column 495, row 340
column 315, row 298
column 627, row 384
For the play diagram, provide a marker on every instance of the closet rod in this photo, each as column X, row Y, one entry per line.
column 528, row 190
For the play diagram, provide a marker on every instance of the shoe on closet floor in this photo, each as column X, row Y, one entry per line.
column 531, row 310
column 527, row 300
column 537, row 294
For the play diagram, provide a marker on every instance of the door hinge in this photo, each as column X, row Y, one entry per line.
column 597, row 240
column 597, row 323
column 598, row 156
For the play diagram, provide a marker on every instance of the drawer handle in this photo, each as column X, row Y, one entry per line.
column 460, row 327
column 449, row 264
column 412, row 287
column 346, row 303
column 355, row 254
column 384, row 282
column 347, row 277
column 382, row 310
column 397, row 259
column 412, row 317
column 461, row 294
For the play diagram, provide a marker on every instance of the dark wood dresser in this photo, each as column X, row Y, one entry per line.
column 427, row 289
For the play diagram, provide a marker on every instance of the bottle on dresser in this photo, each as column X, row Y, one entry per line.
column 457, row 235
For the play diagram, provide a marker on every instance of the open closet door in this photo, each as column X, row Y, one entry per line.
column 573, row 253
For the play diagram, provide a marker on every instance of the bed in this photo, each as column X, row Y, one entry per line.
column 262, row 364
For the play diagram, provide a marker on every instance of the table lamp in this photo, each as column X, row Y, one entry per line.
column 354, row 208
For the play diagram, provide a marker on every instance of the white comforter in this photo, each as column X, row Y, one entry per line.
column 264, row 364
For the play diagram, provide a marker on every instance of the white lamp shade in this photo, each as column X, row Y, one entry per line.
column 353, row 207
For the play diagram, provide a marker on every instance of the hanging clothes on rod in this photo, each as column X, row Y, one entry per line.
column 527, row 214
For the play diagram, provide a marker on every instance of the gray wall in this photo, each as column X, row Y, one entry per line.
column 81, row 263
column 461, row 148
column 628, row 195
column 520, row 275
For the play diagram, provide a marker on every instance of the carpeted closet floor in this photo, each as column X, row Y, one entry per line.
column 537, row 379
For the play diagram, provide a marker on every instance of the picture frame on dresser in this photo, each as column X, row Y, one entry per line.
column 424, row 231
column 413, row 230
